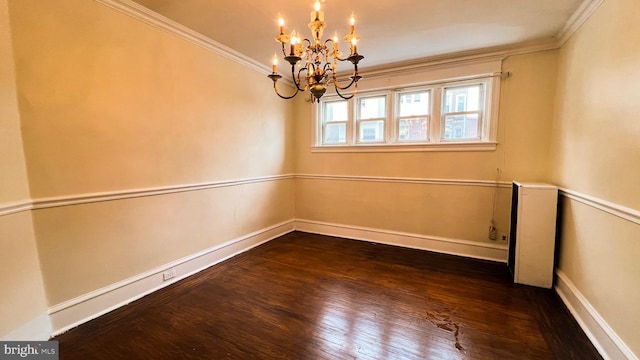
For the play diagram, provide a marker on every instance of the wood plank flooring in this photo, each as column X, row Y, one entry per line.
column 305, row 296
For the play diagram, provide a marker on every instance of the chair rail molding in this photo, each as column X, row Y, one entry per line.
column 15, row 207
column 403, row 180
column 620, row 211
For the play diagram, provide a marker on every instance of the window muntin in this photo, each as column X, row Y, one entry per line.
column 463, row 120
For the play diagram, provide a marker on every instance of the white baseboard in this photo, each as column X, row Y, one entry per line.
column 473, row 249
column 38, row 329
column 69, row 314
column 606, row 341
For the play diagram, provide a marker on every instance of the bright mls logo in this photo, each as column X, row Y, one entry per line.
column 33, row 350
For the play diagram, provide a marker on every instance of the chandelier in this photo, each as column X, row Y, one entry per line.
column 316, row 60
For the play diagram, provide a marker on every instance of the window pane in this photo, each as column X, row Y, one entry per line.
column 414, row 104
column 464, row 98
column 461, row 127
column 412, row 129
column 371, row 131
column 372, row 107
column 335, row 133
column 336, row 111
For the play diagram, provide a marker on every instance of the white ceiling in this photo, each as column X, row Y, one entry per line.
column 391, row 31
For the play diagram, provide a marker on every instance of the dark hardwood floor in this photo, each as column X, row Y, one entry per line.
column 305, row 296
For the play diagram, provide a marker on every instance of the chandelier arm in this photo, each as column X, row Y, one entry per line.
column 284, row 96
column 342, row 59
column 338, row 86
column 296, row 79
column 355, row 90
column 324, row 68
column 284, row 50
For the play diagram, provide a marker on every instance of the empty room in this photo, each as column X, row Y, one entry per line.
column 300, row 179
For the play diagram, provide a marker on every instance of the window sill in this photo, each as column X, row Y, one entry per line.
column 381, row 148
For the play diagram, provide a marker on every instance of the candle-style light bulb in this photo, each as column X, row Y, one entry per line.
column 292, row 41
column 352, row 22
column 275, row 64
column 316, row 14
column 281, row 23
column 354, row 43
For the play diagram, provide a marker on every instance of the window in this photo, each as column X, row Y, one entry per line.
column 370, row 118
column 465, row 122
column 334, row 125
column 412, row 116
column 437, row 116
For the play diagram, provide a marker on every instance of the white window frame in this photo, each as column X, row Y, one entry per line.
column 481, row 110
column 358, row 121
column 323, row 123
column 488, row 119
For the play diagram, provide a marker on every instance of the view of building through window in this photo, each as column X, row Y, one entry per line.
column 336, row 115
column 370, row 118
column 462, row 112
column 413, row 115
column 451, row 112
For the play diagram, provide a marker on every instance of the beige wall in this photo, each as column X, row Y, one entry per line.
column 114, row 240
column 107, row 103
column 436, row 210
column 111, row 104
column 596, row 143
column 23, row 297
column 596, row 151
column 102, row 93
column 22, row 291
column 13, row 182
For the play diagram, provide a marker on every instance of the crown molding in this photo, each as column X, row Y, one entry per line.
column 584, row 11
column 579, row 17
column 496, row 53
column 139, row 12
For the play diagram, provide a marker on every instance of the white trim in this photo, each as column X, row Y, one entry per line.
column 152, row 18
column 71, row 313
column 584, row 11
column 37, row 329
column 404, row 147
column 606, row 341
column 45, row 203
column 579, row 17
column 497, row 53
column 134, row 193
column 425, row 181
column 466, row 248
column 15, row 207
column 603, row 205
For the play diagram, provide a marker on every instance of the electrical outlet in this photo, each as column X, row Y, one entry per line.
column 503, row 237
column 169, row 274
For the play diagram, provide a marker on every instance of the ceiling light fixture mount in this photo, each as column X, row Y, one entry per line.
column 317, row 59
